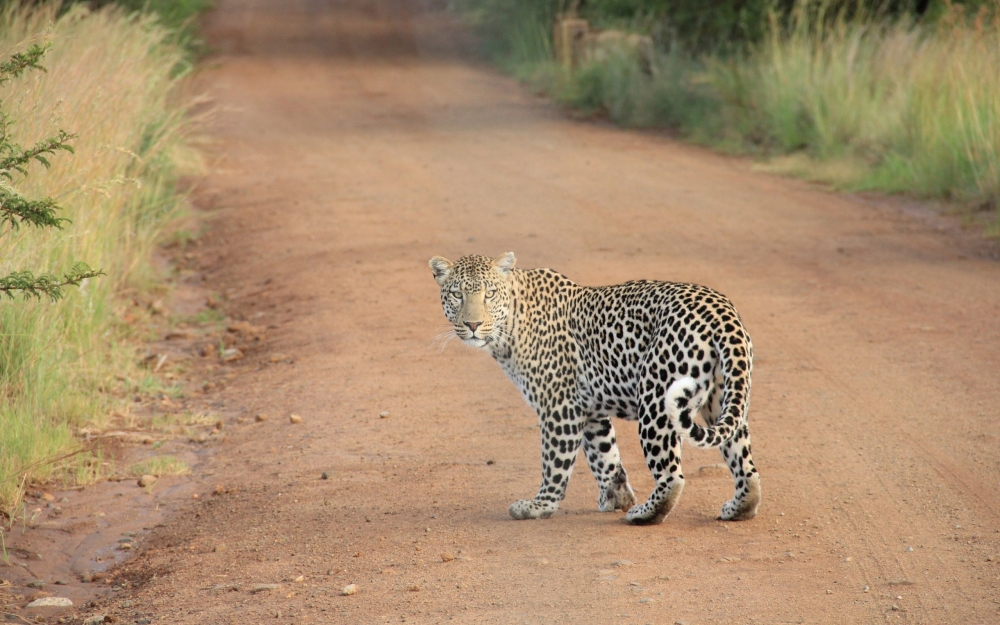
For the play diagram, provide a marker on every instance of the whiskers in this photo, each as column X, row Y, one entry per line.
column 442, row 340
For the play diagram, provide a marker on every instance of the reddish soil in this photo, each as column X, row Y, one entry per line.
column 354, row 141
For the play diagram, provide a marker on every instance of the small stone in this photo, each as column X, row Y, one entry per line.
column 909, row 549
column 219, row 489
column 128, row 603
column 300, row 579
column 147, row 480
column 543, row 561
column 194, row 496
column 829, row 592
column 324, row 476
column 97, row 619
column 866, row 589
column 48, row 497
column 38, row 583
column 263, row 588
column 50, row 602
column 232, row 354
column 895, row 607
column 219, row 548
column 447, row 557
column 682, row 622
column 61, row 582
column 848, row 559
column 125, row 546
column 622, row 563
column 143, row 621
column 260, row 417
column 350, row 589
column 64, row 500
column 383, row 415
column 295, row 418
column 490, row 462
column 413, row 588
column 645, row 600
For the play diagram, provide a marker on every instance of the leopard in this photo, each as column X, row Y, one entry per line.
column 673, row 356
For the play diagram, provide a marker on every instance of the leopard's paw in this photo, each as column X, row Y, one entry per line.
column 532, row 509
column 743, row 508
column 617, row 496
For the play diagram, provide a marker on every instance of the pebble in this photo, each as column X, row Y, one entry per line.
column 325, row 476
column 260, row 417
column 147, row 480
column 64, row 500
column 231, row 354
column 50, row 602
column 490, row 462
column 143, row 621
column 909, row 548
column 97, row 619
column 413, row 588
column 350, row 589
column 38, row 583
column 447, row 557
column 262, row 587
column 219, row 548
column 125, row 546
column 848, row 559
column 622, row 563
column 867, row 589
column 895, row 607
column 829, row 592
column 300, row 579
column 295, row 418
column 645, row 600
column 383, row 415
column 61, row 582
column 48, row 497
column 219, row 489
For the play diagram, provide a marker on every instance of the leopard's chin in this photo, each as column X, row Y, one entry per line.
column 476, row 342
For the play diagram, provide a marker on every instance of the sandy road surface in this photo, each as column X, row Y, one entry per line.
column 356, row 140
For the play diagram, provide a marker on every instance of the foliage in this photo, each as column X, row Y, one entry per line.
column 864, row 99
column 16, row 209
column 64, row 365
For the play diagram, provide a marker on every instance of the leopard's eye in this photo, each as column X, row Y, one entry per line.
column 491, row 293
column 456, row 294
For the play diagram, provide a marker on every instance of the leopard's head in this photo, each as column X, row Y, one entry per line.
column 476, row 295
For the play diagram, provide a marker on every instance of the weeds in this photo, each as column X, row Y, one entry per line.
column 109, row 80
column 160, row 466
column 864, row 101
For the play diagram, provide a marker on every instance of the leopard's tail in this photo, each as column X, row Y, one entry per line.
column 684, row 399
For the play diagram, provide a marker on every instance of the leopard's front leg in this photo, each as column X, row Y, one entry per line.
column 562, row 432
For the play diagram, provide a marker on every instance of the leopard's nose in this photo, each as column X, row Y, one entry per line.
column 472, row 325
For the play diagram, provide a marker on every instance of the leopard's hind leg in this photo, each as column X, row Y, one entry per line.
column 746, row 498
column 601, row 449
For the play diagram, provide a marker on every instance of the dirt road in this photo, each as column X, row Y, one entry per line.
column 357, row 139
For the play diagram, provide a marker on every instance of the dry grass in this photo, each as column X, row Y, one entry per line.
column 110, row 80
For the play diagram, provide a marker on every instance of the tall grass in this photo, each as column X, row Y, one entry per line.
column 109, row 80
column 905, row 107
column 864, row 102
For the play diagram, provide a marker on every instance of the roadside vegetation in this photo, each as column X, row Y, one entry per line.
column 864, row 96
column 110, row 79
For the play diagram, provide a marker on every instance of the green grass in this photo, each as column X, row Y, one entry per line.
column 160, row 466
column 866, row 103
column 111, row 80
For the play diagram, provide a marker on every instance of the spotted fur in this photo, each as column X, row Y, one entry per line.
column 660, row 353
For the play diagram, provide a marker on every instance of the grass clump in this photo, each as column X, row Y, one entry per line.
column 860, row 98
column 160, row 466
column 109, row 79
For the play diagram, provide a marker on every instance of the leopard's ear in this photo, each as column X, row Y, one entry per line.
column 504, row 264
column 441, row 268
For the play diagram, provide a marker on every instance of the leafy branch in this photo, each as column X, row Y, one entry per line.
column 15, row 209
column 46, row 284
